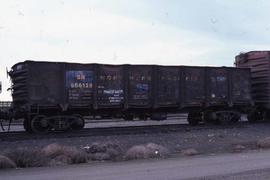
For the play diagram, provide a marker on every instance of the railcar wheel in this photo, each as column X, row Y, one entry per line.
column 39, row 124
column 253, row 116
column 78, row 122
column 266, row 116
column 236, row 117
column 27, row 126
column 143, row 117
column 226, row 117
column 194, row 118
column 210, row 117
column 128, row 117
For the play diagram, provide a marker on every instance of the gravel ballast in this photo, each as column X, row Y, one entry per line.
column 119, row 147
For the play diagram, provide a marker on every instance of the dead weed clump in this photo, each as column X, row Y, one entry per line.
column 238, row 148
column 146, row 151
column 160, row 151
column 189, row 152
column 53, row 150
column 104, row 151
column 25, row 157
column 6, row 163
column 138, row 152
column 264, row 143
column 60, row 155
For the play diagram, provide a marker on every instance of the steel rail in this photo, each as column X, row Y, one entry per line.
column 109, row 131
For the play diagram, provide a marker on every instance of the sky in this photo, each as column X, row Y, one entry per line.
column 166, row 32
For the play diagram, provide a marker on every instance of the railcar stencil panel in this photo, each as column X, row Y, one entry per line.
column 139, row 88
column 110, row 89
column 79, row 85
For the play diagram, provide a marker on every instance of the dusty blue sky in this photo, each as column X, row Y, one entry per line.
column 172, row 32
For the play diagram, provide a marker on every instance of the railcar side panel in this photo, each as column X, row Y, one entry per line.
column 110, row 86
column 126, row 89
column 217, row 86
column 241, row 87
column 193, row 80
column 45, row 83
column 139, row 84
column 167, row 86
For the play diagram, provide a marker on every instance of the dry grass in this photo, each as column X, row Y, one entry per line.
column 55, row 154
column 145, row 151
column 264, row 143
column 189, row 152
column 25, row 157
column 138, row 152
column 6, row 163
column 238, row 148
column 53, row 150
column 104, row 151
column 64, row 154
column 159, row 150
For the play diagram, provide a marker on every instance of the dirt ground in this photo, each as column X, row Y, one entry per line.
column 205, row 141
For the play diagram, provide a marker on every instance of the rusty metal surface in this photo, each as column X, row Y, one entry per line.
column 258, row 61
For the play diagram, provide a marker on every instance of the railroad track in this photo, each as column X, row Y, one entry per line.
column 107, row 131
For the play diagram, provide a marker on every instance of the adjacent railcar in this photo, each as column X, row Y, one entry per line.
column 259, row 63
column 54, row 95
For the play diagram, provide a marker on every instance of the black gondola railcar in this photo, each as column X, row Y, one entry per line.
column 54, row 95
